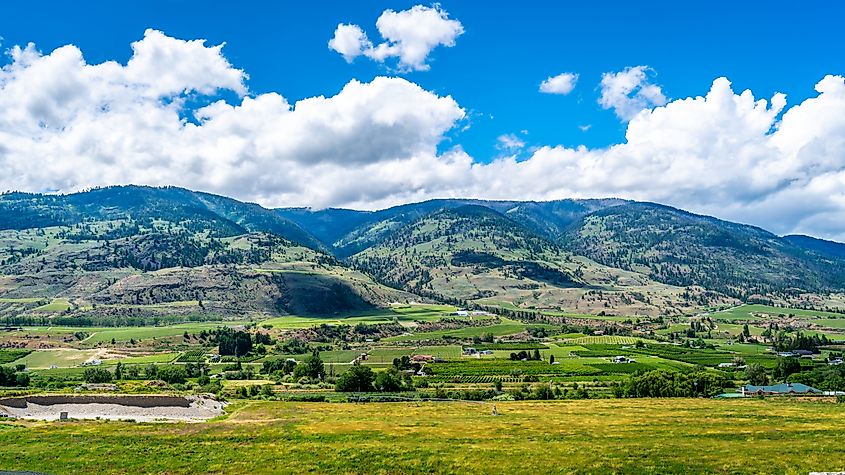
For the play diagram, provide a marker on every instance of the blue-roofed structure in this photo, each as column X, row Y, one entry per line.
column 778, row 389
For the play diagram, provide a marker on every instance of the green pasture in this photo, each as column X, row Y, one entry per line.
column 61, row 358
column 636, row 436
column 405, row 313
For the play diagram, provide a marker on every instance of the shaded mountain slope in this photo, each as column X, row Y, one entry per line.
column 680, row 248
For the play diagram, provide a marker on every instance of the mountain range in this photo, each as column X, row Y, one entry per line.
column 124, row 249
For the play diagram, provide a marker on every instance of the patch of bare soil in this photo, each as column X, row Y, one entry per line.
column 113, row 407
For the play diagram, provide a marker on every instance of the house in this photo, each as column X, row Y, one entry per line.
column 727, row 365
column 422, row 358
column 486, row 352
column 470, row 351
column 803, row 353
column 782, row 389
column 623, row 359
column 462, row 313
column 835, row 362
column 786, row 354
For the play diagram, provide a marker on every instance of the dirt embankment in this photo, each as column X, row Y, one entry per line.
column 115, row 407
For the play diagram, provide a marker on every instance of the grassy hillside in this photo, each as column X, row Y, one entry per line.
column 144, row 205
column 467, row 237
column 133, row 245
column 595, row 436
column 680, row 248
column 475, row 253
column 348, row 232
column 123, row 255
column 664, row 244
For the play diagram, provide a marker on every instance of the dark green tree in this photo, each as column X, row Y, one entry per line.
column 756, row 374
column 97, row 375
column 357, row 379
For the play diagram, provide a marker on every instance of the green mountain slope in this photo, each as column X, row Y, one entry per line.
column 142, row 204
column 661, row 243
column 681, row 248
column 135, row 245
column 124, row 252
column 348, row 232
column 473, row 253
column 820, row 247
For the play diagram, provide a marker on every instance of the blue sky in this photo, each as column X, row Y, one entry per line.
column 497, row 64
column 412, row 101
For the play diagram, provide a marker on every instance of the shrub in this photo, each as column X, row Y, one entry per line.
column 97, row 375
column 172, row 374
column 662, row 383
column 357, row 379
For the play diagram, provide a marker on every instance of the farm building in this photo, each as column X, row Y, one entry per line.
column 784, row 389
column 623, row 359
column 422, row 358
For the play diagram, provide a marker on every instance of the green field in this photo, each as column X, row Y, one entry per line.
column 404, row 313
column 745, row 312
column 56, row 305
column 62, row 358
column 595, row 436
column 124, row 334
column 448, row 352
column 8, row 356
column 507, row 327
column 602, row 340
column 145, row 359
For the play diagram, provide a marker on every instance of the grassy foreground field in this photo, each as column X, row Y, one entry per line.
column 591, row 436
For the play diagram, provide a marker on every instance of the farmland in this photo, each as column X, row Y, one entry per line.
column 561, row 355
column 604, row 436
column 507, row 327
column 142, row 333
column 754, row 312
column 404, row 313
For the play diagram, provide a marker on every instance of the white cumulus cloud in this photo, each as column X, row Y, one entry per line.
column 410, row 36
column 66, row 125
column 561, row 84
column 350, row 41
column 509, row 143
column 630, row 91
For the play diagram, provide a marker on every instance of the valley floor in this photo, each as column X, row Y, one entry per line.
column 586, row 436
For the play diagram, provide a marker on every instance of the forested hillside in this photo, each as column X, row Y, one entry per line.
column 133, row 245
